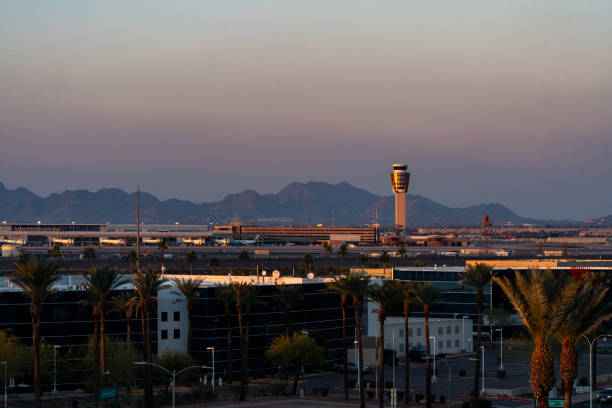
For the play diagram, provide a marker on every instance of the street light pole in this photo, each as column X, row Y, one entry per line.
column 434, row 358
column 54, row 371
column 482, row 370
column 449, row 380
column 591, row 342
column 357, row 354
column 501, row 348
column 212, row 349
column 5, row 383
column 173, row 373
column 463, row 332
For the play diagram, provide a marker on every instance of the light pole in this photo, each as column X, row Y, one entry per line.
column 5, row 383
column 212, row 349
column 393, row 348
column 433, row 377
column 591, row 342
column 463, row 332
column 501, row 348
column 54, row 365
column 357, row 354
column 173, row 373
column 482, row 370
column 449, row 380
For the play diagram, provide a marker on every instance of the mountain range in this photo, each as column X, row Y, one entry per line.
column 297, row 204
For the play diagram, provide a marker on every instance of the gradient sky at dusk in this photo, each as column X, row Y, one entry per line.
column 505, row 101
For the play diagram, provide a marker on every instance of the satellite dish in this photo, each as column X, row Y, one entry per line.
column 276, row 274
column 310, row 275
column 264, row 273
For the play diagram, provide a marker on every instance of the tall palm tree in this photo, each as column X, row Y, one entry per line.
column 307, row 261
column 585, row 314
column 162, row 246
column 357, row 288
column 131, row 258
column 213, row 263
column 338, row 285
column 342, row 251
column 288, row 298
column 125, row 302
column 477, row 276
column 36, row 280
column 427, row 296
column 363, row 260
column 240, row 290
column 188, row 288
column 100, row 282
column 387, row 296
column 225, row 295
column 190, row 257
column 328, row 250
column 408, row 296
column 540, row 300
column 89, row 254
column 147, row 284
column 385, row 259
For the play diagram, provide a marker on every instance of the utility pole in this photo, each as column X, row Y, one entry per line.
column 138, row 229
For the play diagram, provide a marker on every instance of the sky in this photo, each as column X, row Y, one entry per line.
column 486, row 101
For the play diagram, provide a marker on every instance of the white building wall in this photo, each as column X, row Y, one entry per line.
column 172, row 321
column 451, row 335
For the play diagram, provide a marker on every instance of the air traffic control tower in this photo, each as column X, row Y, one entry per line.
column 399, row 180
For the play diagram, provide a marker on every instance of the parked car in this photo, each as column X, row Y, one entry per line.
column 351, row 368
column 417, row 354
column 605, row 396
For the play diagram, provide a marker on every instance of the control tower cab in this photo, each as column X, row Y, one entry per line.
column 400, row 179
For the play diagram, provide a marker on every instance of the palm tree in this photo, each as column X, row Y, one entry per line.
column 213, row 263
column 190, row 257
column 162, row 246
column 477, row 276
column 342, row 251
column 36, row 280
column 408, row 297
column 427, row 296
column 357, row 287
column 385, row 259
column 125, row 302
column 188, row 288
column 401, row 252
column 100, row 282
column 55, row 251
column 131, row 258
column 146, row 285
column 339, row 286
column 240, row 290
column 387, row 296
column 288, row 297
column 328, row 250
column 585, row 313
column 307, row 261
column 363, row 260
column 89, row 254
column 225, row 295
column 539, row 299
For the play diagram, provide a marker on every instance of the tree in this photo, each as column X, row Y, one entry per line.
column 213, row 263
column 357, row 287
column 162, row 246
column 89, row 254
column 307, row 261
column 23, row 258
column 427, row 296
column 36, row 280
column 188, row 288
column 190, row 257
column 584, row 315
column 363, row 260
column 132, row 257
column 539, row 299
column 342, row 251
column 125, row 302
column 55, row 252
column 176, row 361
column 146, row 285
column 385, row 259
column 387, row 296
column 408, row 296
column 292, row 352
column 288, row 298
column 225, row 295
column 339, row 286
column 328, row 250
column 243, row 255
column 244, row 298
column 100, row 282
column 402, row 252
column 477, row 276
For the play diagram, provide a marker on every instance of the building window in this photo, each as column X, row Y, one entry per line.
column 401, row 348
column 440, row 330
column 456, row 343
column 448, row 344
column 456, row 329
column 164, row 316
column 418, row 332
column 448, row 330
column 177, row 316
column 401, row 334
column 440, row 344
column 410, row 332
column 177, row 333
column 164, row 334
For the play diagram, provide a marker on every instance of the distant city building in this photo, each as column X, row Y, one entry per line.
column 400, row 179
